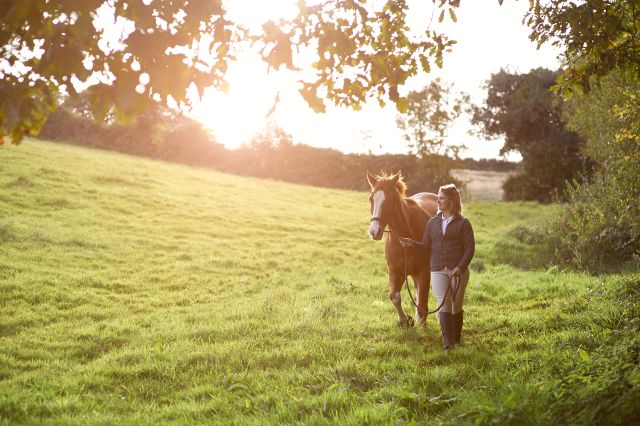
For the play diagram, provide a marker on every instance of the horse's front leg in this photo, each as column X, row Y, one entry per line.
column 395, row 285
column 421, row 285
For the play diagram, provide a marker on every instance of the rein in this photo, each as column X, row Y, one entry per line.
column 406, row 282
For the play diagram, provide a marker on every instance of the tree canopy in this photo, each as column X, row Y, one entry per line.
column 596, row 36
column 139, row 52
column 523, row 109
column 430, row 112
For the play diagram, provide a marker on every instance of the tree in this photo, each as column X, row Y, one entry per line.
column 429, row 115
column 600, row 224
column 157, row 132
column 522, row 109
column 425, row 123
column 271, row 136
column 597, row 36
column 363, row 50
column 601, row 44
column 609, row 120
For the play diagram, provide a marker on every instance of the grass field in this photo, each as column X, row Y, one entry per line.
column 140, row 292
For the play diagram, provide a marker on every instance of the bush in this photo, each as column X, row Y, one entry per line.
column 604, row 388
column 600, row 227
column 599, row 230
column 517, row 187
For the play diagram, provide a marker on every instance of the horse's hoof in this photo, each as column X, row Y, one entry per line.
column 408, row 323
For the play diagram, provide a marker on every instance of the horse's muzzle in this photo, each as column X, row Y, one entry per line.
column 376, row 231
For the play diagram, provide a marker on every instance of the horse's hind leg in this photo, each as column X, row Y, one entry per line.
column 395, row 285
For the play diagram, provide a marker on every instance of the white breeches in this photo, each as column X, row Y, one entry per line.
column 440, row 282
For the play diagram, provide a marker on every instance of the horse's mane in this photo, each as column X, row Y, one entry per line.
column 401, row 186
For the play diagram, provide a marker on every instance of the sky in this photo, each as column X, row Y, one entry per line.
column 489, row 37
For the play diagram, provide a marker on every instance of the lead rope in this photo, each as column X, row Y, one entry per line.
column 449, row 286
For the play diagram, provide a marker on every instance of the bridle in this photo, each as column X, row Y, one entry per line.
column 377, row 218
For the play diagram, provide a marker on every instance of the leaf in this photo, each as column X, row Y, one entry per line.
column 402, row 105
column 584, row 355
column 280, row 54
column 237, row 386
column 424, row 61
column 453, row 16
column 309, row 95
column 393, row 93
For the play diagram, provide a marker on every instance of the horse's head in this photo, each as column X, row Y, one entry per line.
column 384, row 190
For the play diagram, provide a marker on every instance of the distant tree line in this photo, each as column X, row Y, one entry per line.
column 486, row 164
column 165, row 135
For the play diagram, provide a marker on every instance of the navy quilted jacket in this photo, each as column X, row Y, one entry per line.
column 455, row 248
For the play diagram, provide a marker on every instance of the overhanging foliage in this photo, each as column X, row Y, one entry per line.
column 153, row 51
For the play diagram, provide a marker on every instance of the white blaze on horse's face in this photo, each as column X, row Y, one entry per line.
column 375, row 229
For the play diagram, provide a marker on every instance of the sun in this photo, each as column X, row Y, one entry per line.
column 237, row 115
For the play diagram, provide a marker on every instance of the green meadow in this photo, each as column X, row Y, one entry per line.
column 135, row 291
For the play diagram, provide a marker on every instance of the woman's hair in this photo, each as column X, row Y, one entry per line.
column 451, row 192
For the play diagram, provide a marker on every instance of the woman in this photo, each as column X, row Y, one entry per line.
column 448, row 237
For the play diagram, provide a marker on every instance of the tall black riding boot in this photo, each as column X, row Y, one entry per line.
column 457, row 328
column 446, row 326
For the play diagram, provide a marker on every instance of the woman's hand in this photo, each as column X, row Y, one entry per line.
column 456, row 272
column 406, row 242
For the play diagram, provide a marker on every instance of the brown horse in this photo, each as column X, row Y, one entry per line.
column 405, row 217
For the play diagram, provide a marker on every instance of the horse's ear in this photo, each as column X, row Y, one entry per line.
column 371, row 179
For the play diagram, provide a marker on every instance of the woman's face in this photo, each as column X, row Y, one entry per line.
column 444, row 204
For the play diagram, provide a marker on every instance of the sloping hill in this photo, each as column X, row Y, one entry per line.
column 136, row 291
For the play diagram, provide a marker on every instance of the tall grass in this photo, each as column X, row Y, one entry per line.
column 139, row 292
